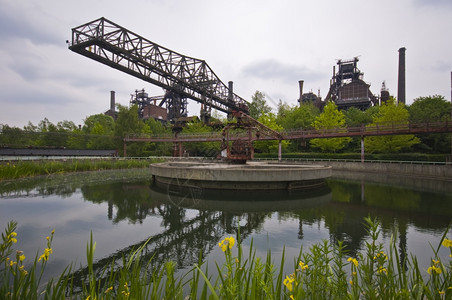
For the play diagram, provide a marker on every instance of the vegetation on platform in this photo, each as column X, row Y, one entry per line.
column 20, row 169
column 324, row 271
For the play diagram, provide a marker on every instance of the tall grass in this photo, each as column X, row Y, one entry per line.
column 21, row 169
column 324, row 271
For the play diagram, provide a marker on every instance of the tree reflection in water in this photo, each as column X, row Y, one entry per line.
column 193, row 221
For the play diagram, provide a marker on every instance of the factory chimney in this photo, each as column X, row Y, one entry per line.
column 401, row 84
column 300, row 84
column 112, row 101
column 230, row 91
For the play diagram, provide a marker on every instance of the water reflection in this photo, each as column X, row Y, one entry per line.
column 181, row 224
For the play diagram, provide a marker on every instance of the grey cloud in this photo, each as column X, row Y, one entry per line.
column 442, row 66
column 273, row 69
column 434, row 3
column 14, row 25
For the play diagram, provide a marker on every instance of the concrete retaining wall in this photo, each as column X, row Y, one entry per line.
column 443, row 172
column 422, row 170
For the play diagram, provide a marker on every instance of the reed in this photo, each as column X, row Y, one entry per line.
column 324, row 271
column 21, row 169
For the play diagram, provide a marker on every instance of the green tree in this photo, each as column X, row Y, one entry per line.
column 100, row 131
column 52, row 135
column 12, row 136
column 269, row 120
column 297, row 117
column 390, row 113
column 157, row 128
column 202, row 149
column 128, row 123
column 258, row 105
column 107, row 123
column 429, row 110
column 355, row 117
column 330, row 118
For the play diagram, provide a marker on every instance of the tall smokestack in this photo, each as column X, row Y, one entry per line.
column 230, row 91
column 401, row 84
column 300, row 84
column 112, row 100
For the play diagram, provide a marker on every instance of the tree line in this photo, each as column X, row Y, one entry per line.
column 100, row 131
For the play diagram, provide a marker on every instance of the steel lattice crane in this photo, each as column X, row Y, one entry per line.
column 181, row 76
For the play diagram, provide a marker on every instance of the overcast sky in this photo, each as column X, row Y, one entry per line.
column 260, row 45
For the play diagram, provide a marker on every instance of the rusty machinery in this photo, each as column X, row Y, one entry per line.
column 239, row 148
column 181, row 76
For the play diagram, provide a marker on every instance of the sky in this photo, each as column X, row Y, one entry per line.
column 260, row 45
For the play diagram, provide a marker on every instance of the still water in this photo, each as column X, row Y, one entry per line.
column 123, row 210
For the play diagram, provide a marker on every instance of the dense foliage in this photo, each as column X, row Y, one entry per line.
column 331, row 118
column 103, row 132
column 395, row 115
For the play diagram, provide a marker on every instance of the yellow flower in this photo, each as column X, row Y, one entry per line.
column 381, row 270
column 108, row 290
column 288, row 282
column 45, row 255
column 351, row 282
column 12, row 263
column 441, row 292
column 20, row 256
column 23, row 271
column 381, row 253
column 303, row 266
column 47, row 238
column 433, row 268
column 291, row 297
column 353, row 260
column 12, row 237
column 447, row 243
column 435, row 262
column 227, row 242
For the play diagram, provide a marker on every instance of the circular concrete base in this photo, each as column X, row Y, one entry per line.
column 250, row 176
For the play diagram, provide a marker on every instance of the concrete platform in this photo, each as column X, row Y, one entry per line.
column 250, row 176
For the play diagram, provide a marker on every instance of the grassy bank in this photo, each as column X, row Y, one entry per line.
column 324, row 271
column 21, row 169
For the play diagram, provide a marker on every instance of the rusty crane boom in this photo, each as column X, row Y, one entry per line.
column 181, row 76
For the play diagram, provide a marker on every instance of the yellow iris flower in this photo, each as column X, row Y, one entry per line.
column 288, row 282
column 227, row 242
column 353, row 260
column 303, row 266
column 447, row 243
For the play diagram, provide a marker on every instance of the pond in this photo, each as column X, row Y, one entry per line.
column 123, row 210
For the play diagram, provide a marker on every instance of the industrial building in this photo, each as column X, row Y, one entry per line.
column 347, row 87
